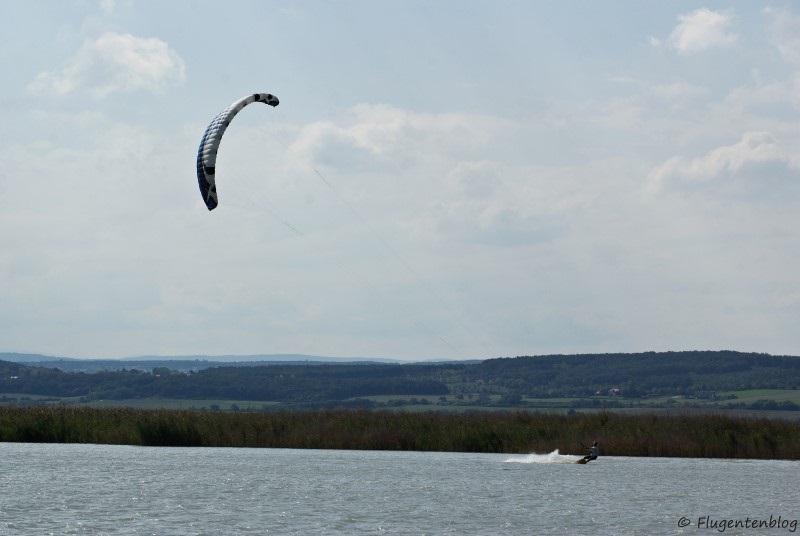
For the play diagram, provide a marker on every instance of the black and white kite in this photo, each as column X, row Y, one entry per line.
column 207, row 153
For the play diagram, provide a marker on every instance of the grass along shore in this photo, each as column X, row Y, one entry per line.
column 701, row 436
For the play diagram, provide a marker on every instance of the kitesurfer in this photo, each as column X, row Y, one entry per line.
column 594, row 452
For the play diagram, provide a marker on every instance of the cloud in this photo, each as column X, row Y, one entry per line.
column 372, row 136
column 784, row 34
column 107, row 5
column 699, row 30
column 678, row 91
column 114, row 63
column 752, row 149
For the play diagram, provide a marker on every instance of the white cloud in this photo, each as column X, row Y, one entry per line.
column 752, row 148
column 700, row 30
column 114, row 63
column 678, row 91
column 380, row 134
column 784, row 33
column 107, row 5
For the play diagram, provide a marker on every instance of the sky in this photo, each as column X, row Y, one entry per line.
column 442, row 180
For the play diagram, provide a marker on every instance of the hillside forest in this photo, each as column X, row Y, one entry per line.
column 698, row 378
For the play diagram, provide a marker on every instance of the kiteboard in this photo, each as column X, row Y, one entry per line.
column 582, row 460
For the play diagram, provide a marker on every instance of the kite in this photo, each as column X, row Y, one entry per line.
column 207, row 153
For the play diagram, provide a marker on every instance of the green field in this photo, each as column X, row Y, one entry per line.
column 142, row 403
column 729, row 400
column 171, row 403
column 778, row 395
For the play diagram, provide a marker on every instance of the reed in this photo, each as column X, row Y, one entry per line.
column 714, row 435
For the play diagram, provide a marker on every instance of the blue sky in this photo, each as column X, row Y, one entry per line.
column 442, row 180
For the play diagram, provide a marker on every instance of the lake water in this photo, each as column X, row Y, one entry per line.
column 97, row 489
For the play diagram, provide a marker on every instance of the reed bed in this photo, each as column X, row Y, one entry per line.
column 702, row 436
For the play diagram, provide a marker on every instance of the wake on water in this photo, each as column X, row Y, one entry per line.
column 553, row 457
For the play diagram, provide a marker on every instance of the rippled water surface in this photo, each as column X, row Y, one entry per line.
column 97, row 489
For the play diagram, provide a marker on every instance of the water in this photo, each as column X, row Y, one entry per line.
column 97, row 489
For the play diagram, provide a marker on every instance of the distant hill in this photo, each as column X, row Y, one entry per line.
column 292, row 358
column 588, row 380
column 28, row 358
column 180, row 362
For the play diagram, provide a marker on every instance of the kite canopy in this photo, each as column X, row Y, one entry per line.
column 207, row 153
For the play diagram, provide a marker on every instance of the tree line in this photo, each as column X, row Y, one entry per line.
column 316, row 384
